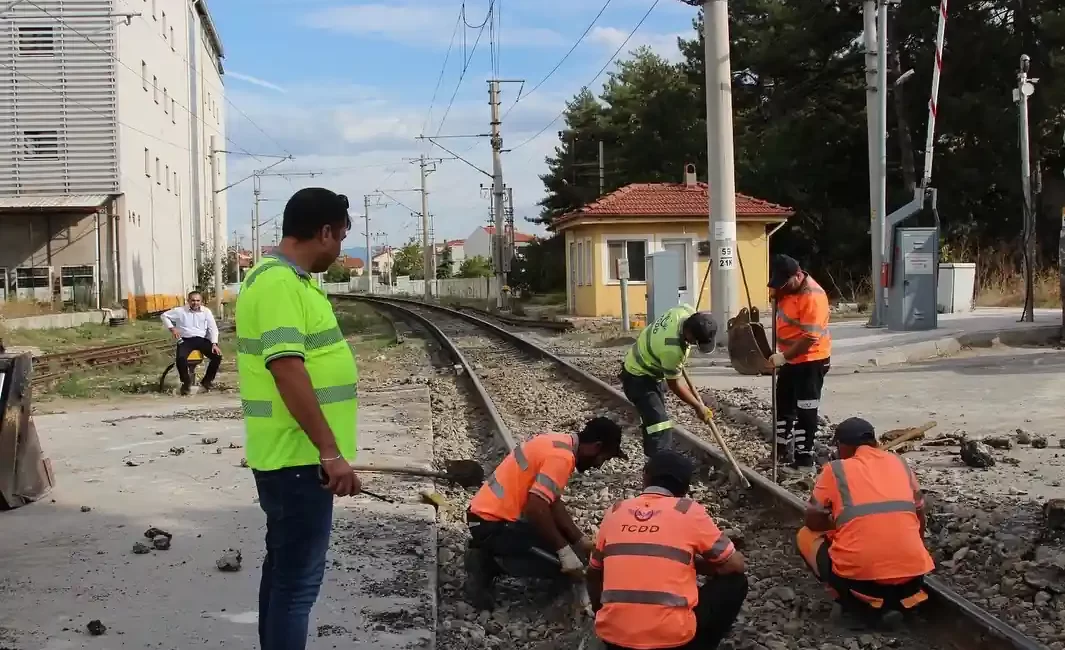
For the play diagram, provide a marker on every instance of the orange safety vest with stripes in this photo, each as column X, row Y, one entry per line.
column 804, row 315
column 646, row 549
column 873, row 497
column 541, row 465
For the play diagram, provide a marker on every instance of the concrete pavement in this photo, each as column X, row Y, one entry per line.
column 64, row 566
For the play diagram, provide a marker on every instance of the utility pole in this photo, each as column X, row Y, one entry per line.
column 216, row 234
column 602, row 170
column 256, row 192
column 724, row 294
column 428, row 248
column 876, row 316
column 1025, row 89
column 369, row 251
column 497, row 190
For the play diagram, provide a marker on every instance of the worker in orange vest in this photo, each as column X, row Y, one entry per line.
column 518, row 523
column 864, row 533
column 642, row 574
column 803, row 358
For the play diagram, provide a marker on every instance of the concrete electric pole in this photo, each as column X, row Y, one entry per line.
column 724, row 294
column 497, row 191
column 256, row 226
column 216, row 231
column 369, row 251
column 428, row 247
column 876, row 318
column 1025, row 89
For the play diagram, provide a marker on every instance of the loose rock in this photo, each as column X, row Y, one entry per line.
column 1054, row 514
column 161, row 542
column 1023, row 437
column 154, row 532
column 86, row 509
column 998, row 442
column 208, row 441
column 95, row 627
column 1039, row 442
column 976, row 454
column 140, row 548
column 229, row 561
column 177, row 451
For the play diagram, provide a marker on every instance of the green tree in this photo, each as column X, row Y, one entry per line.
column 444, row 265
column 540, row 267
column 477, row 266
column 409, row 260
column 337, row 273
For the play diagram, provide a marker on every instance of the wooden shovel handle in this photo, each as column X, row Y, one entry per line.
column 714, row 431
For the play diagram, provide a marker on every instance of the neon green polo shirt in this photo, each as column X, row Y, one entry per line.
column 281, row 312
column 660, row 351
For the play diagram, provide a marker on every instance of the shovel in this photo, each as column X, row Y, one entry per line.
column 748, row 347
column 717, row 434
column 465, row 473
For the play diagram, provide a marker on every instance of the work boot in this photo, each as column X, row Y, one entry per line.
column 206, row 386
column 186, row 389
column 891, row 620
column 480, row 574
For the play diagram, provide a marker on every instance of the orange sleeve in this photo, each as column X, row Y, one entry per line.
column 824, row 489
column 710, row 542
column 813, row 314
column 552, row 478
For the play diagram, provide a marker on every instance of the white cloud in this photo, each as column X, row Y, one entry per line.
column 418, row 25
column 255, row 81
column 360, row 139
column 663, row 44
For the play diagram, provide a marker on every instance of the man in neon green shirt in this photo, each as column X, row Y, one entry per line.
column 298, row 390
column 656, row 358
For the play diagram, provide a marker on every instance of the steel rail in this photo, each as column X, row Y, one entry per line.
column 993, row 632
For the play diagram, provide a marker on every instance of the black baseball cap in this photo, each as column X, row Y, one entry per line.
column 603, row 429
column 781, row 268
column 701, row 325
column 854, row 432
column 670, row 464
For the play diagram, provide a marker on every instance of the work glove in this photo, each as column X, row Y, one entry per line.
column 571, row 564
column 777, row 360
column 706, row 415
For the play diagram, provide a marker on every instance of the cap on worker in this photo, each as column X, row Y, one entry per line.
column 671, row 465
column 603, row 429
column 702, row 327
column 781, row 268
column 854, row 432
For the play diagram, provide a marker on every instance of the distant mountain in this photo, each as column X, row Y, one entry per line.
column 359, row 252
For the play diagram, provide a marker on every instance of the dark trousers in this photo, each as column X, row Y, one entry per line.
column 892, row 595
column 299, row 517
column 720, row 600
column 515, row 548
column 798, row 400
column 648, row 395
column 181, row 360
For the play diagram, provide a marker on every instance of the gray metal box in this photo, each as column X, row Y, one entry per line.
column 663, row 283
column 915, row 273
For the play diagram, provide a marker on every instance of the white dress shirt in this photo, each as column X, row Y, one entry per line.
column 192, row 323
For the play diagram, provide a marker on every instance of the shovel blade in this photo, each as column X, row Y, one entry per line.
column 748, row 347
column 467, row 473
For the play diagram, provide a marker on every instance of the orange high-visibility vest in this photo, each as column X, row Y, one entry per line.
column 541, row 465
column 873, row 497
column 804, row 315
column 646, row 550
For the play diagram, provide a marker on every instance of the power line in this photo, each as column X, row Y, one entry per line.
column 597, row 75
column 125, row 65
column 468, row 60
column 220, row 90
column 443, row 69
column 558, row 65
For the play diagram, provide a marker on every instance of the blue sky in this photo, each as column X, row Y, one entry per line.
column 346, row 87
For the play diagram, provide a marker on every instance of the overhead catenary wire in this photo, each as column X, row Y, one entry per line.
column 558, row 65
column 443, row 70
column 597, row 75
column 138, row 74
column 467, row 59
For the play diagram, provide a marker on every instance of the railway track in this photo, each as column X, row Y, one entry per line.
column 513, row 389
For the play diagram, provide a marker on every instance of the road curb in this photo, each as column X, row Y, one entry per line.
column 953, row 344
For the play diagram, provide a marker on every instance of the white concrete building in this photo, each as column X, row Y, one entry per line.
column 479, row 242
column 105, row 176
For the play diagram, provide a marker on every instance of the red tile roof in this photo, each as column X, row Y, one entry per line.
column 455, row 242
column 351, row 262
column 518, row 236
column 669, row 200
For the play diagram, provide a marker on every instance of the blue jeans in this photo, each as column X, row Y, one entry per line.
column 299, row 517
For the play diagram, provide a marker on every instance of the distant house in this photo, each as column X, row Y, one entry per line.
column 353, row 264
column 480, row 242
column 643, row 218
column 458, row 253
column 382, row 263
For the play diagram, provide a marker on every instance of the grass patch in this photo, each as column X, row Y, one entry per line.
column 65, row 339
column 366, row 329
column 998, row 288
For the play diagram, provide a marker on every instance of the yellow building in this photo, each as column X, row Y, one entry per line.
column 644, row 218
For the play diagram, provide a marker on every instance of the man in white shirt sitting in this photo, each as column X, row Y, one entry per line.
column 195, row 329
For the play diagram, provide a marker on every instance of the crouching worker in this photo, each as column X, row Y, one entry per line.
column 642, row 576
column 864, row 533
column 518, row 523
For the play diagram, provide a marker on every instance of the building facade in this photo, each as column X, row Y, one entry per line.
column 111, row 110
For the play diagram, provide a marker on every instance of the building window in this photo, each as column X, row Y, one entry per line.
column 580, row 263
column 35, row 277
column 573, row 264
column 173, row 111
column 155, row 88
column 164, row 25
column 168, row 178
column 635, row 250
column 158, row 169
column 681, row 249
column 166, row 100
column 176, row 190
column 36, row 41
column 154, row 15
column 41, row 145
column 144, row 76
column 172, row 46
column 147, row 163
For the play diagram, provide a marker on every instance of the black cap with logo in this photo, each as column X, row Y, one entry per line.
column 781, row 268
column 855, row 432
column 670, row 464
